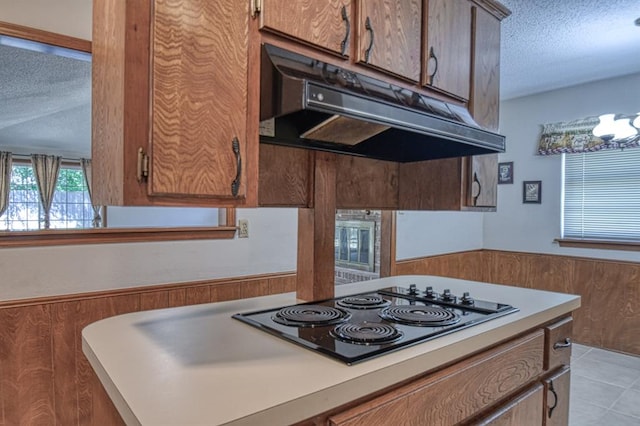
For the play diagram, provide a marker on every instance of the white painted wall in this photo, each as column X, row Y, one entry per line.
column 431, row 233
column 45, row 271
column 530, row 227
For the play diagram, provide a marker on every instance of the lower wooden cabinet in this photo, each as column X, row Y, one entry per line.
column 556, row 398
column 457, row 393
column 508, row 385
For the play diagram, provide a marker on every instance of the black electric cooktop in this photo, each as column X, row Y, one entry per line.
column 362, row 326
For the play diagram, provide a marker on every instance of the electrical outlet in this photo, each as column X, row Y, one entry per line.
column 243, row 228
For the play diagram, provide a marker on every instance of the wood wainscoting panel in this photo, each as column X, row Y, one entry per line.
column 45, row 378
column 88, row 311
column 25, row 360
column 609, row 317
column 466, row 265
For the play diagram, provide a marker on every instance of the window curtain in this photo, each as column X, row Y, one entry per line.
column 577, row 136
column 86, row 169
column 45, row 169
column 5, row 180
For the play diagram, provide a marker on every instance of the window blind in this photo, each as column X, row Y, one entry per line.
column 601, row 196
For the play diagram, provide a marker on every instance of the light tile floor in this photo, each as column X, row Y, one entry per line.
column 605, row 388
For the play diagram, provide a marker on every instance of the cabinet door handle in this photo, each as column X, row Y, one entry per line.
column 369, row 28
column 433, row 56
column 555, row 398
column 565, row 344
column 235, row 185
column 476, row 181
column 345, row 41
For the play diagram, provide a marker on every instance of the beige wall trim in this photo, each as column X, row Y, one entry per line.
column 46, row 37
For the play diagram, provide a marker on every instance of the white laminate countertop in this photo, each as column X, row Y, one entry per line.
column 196, row 365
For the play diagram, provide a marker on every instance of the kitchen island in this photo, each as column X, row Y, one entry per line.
column 197, row 365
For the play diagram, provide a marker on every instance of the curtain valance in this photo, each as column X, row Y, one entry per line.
column 577, row 136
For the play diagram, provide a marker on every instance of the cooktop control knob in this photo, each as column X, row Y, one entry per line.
column 447, row 296
column 413, row 290
column 466, row 299
column 429, row 293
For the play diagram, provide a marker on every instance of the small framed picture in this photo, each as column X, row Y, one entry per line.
column 532, row 191
column 505, row 172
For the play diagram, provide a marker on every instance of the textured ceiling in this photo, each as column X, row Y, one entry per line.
column 45, row 103
column 546, row 45
column 549, row 44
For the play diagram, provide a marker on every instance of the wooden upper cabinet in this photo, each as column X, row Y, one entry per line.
column 484, row 104
column 389, row 35
column 485, row 63
column 447, row 48
column 170, row 79
column 323, row 23
column 199, row 98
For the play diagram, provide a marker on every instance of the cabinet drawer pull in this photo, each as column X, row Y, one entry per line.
column 565, row 344
column 345, row 41
column 368, row 27
column 555, row 398
column 433, row 56
column 235, row 185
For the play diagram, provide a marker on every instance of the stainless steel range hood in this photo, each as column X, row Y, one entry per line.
column 312, row 104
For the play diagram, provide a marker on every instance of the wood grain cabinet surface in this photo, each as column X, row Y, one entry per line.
column 556, row 406
column 447, row 46
column 389, row 33
column 484, row 105
column 522, row 410
column 170, row 80
column 327, row 24
column 457, row 393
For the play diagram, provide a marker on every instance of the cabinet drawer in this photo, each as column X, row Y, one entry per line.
column 455, row 393
column 558, row 343
column 524, row 409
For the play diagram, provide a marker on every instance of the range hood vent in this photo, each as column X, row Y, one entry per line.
column 312, row 104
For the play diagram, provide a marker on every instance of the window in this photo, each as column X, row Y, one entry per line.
column 354, row 244
column 601, row 197
column 70, row 209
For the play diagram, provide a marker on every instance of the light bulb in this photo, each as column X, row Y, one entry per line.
column 623, row 129
column 605, row 129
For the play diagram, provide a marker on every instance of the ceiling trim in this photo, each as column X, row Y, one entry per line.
column 46, row 37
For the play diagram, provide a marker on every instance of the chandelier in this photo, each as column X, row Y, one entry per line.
column 618, row 128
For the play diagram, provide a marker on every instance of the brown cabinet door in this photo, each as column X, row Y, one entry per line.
column 483, row 104
column 556, row 406
column 483, row 175
column 389, row 33
column 322, row 23
column 485, row 91
column 199, row 140
column 557, row 341
column 448, row 47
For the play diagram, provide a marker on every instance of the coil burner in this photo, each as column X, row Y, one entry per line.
column 366, row 333
column 363, row 301
column 423, row 316
column 310, row 316
column 360, row 326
